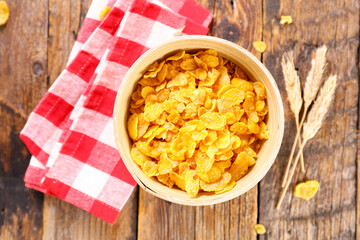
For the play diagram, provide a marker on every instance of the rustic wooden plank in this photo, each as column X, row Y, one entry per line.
column 64, row 24
column 23, row 56
column 358, row 187
column 65, row 20
column 65, row 221
column 330, row 157
column 240, row 22
column 158, row 219
column 62, row 220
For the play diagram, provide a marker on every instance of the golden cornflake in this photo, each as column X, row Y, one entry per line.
column 152, row 74
column 150, row 168
column 103, row 13
column 223, row 165
column 210, row 60
column 197, row 122
column 234, row 95
column 223, row 139
column 241, row 165
column 146, row 91
column 4, row 13
column 165, row 179
column 260, row 229
column 152, row 111
column 218, row 185
column 259, row 46
column 138, row 157
column 213, row 120
column 227, row 188
column 179, row 55
column 133, row 126
column 200, row 63
column 188, row 64
column 306, row 190
column 285, row 19
column 191, row 183
column 178, row 180
column 165, row 164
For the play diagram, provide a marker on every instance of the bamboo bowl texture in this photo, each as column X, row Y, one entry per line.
column 255, row 70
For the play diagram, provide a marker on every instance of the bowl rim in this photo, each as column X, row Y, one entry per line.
column 265, row 168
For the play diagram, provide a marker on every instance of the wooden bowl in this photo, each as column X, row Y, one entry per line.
column 255, row 70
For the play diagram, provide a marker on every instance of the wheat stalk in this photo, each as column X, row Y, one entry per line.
column 314, row 122
column 293, row 90
column 315, row 76
column 292, row 83
column 321, row 106
column 311, row 88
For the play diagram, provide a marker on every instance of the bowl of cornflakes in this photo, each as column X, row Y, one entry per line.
column 198, row 120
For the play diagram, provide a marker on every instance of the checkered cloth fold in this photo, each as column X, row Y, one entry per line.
column 70, row 132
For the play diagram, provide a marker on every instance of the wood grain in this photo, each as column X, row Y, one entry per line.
column 61, row 219
column 23, row 44
column 34, row 46
column 66, row 222
column 240, row 22
column 330, row 157
column 358, row 187
column 64, row 25
column 65, row 20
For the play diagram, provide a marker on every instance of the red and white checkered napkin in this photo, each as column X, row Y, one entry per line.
column 70, row 131
column 51, row 116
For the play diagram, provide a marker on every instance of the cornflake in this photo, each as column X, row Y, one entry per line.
column 4, row 13
column 259, row 46
column 306, row 190
column 104, row 12
column 260, row 229
column 285, row 19
column 197, row 122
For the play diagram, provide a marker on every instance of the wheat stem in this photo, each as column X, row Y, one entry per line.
column 314, row 122
column 312, row 85
column 286, row 186
column 293, row 147
column 302, row 164
column 293, row 90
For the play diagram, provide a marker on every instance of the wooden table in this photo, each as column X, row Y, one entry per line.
column 34, row 47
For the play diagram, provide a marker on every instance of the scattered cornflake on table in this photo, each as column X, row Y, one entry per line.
column 259, row 46
column 4, row 13
column 285, row 19
column 104, row 12
column 260, row 229
column 306, row 190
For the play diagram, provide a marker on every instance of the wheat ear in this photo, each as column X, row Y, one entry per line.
column 314, row 122
column 293, row 90
column 315, row 76
column 311, row 88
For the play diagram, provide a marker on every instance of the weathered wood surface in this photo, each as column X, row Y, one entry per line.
column 64, row 24
column 66, row 222
column 23, row 59
column 34, row 47
column 358, row 187
column 330, row 157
